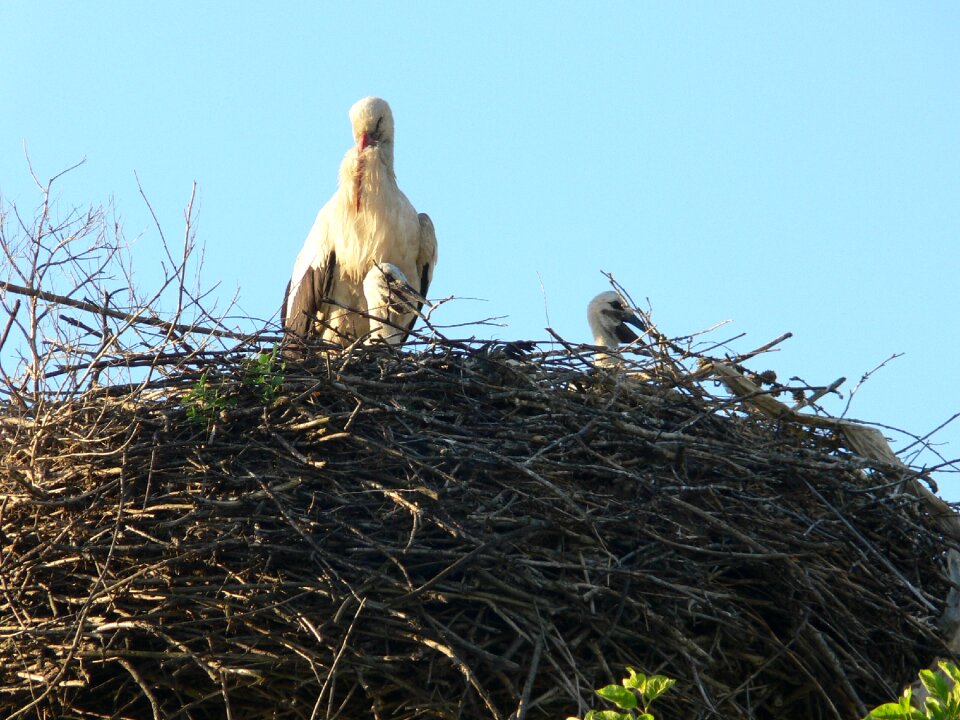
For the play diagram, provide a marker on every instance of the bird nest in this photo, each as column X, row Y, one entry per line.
column 192, row 526
column 462, row 531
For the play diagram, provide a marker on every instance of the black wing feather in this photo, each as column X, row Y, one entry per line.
column 424, row 286
column 314, row 288
column 283, row 306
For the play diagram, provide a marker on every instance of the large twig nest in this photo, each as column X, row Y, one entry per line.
column 455, row 533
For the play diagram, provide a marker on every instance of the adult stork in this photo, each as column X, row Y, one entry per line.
column 368, row 221
column 608, row 315
column 392, row 303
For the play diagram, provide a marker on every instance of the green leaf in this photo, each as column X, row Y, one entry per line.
column 934, row 710
column 951, row 670
column 907, row 708
column 893, row 711
column 887, row 711
column 935, row 684
column 606, row 715
column 635, row 680
column 655, row 687
column 621, row 696
column 645, row 716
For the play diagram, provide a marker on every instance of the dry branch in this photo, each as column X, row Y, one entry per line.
column 105, row 311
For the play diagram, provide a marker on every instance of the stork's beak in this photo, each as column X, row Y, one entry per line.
column 363, row 142
column 625, row 334
column 629, row 317
column 406, row 293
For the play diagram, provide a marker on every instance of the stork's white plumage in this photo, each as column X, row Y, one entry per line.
column 392, row 303
column 608, row 314
column 367, row 221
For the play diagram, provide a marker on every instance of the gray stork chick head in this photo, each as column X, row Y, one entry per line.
column 372, row 123
column 608, row 314
column 392, row 302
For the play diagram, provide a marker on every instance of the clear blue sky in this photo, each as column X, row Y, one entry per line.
column 789, row 168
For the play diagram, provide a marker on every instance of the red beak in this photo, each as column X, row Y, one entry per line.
column 364, row 141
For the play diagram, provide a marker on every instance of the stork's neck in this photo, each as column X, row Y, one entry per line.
column 605, row 339
column 367, row 175
column 602, row 336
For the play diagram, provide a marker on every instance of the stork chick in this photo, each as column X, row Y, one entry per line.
column 608, row 316
column 392, row 303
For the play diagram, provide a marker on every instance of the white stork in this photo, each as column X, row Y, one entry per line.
column 368, row 221
column 608, row 314
column 392, row 303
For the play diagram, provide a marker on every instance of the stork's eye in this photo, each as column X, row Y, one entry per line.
column 376, row 130
column 616, row 305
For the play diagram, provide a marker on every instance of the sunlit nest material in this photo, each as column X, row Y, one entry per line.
column 458, row 530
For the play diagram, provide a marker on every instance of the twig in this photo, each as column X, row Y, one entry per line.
column 135, row 318
column 863, row 379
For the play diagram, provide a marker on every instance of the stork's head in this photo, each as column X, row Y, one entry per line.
column 372, row 123
column 391, row 301
column 608, row 314
column 386, row 286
